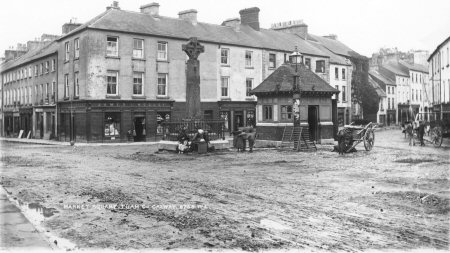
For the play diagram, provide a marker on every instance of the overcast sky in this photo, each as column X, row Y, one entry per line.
column 363, row 25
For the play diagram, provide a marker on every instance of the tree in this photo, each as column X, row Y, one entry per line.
column 362, row 92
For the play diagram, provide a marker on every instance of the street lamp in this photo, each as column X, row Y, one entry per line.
column 296, row 58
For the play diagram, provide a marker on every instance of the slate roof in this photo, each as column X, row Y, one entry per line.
column 378, row 89
column 334, row 58
column 334, row 46
column 140, row 23
column 438, row 48
column 395, row 68
column 283, row 77
column 415, row 67
column 381, row 77
column 31, row 55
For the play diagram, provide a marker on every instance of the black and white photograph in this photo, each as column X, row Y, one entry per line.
column 225, row 126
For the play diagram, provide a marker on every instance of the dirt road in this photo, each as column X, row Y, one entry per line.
column 393, row 197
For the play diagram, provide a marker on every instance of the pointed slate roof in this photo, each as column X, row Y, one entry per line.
column 415, row 67
column 378, row 89
column 334, row 46
column 244, row 35
column 334, row 58
column 396, row 68
column 377, row 75
column 42, row 51
column 282, row 81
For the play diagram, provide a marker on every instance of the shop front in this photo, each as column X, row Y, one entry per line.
column 113, row 121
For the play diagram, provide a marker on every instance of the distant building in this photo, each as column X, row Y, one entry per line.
column 439, row 78
column 386, row 89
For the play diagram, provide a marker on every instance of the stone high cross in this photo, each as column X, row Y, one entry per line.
column 193, row 49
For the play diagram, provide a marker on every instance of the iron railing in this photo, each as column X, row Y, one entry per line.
column 214, row 128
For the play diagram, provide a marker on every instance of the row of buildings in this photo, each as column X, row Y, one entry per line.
column 411, row 83
column 125, row 70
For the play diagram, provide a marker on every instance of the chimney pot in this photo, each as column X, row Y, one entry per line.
column 151, row 9
column 114, row 5
column 189, row 15
column 250, row 17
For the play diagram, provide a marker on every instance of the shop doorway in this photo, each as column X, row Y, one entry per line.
column 139, row 128
column 313, row 122
column 238, row 120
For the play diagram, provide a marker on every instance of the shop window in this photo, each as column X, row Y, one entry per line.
column 208, row 115
column 251, row 118
column 161, row 117
column 112, row 124
column 225, row 117
column 286, row 112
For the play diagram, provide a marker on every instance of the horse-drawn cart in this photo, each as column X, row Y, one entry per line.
column 353, row 134
column 437, row 129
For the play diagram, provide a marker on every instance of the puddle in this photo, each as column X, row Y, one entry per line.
column 42, row 210
column 36, row 214
column 273, row 225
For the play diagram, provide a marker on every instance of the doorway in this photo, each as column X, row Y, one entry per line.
column 313, row 122
column 238, row 120
column 139, row 128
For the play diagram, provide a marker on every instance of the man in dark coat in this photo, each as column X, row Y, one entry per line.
column 421, row 132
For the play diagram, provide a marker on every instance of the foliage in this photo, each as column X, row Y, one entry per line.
column 362, row 92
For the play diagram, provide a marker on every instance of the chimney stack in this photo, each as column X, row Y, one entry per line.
column 294, row 26
column 331, row 36
column 188, row 15
column 151, row 9
column 250, row 17
column 68, row 27
column 232, row 22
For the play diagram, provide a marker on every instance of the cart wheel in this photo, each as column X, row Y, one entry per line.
column 436, row 136
column 369, row 140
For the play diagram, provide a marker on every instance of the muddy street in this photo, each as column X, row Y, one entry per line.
column 393, row 197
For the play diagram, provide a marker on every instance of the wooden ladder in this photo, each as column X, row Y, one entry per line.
column 287, row 137
column 306, row 144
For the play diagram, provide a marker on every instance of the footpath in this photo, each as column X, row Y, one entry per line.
column 16, row 231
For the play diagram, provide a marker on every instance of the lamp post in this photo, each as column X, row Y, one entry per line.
column 296, row 58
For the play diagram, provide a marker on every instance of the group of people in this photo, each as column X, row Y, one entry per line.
column 242, row 136
column 411, row 128
column 185, row 144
